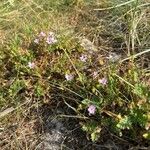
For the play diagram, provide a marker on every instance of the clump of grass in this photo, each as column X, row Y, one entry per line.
column 90, row 63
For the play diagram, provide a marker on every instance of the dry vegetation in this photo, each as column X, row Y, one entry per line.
column 89, row 58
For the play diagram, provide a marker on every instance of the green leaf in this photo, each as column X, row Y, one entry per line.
column 16, row 87
column 125, row 123
column 96, row 134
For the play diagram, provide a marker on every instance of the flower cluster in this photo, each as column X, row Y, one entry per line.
column 49, row 39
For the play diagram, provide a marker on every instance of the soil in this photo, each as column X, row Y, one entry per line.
column 46, row 130
column 66, row 134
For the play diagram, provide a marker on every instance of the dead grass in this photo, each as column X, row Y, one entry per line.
column 114, row 28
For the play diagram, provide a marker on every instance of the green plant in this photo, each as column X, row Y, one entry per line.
column 95, row 62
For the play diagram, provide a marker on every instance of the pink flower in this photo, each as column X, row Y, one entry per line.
column 36, row 41
column 42, row 34
column 50, row 40
column 69, row 77
column 103, row 81
column 91, row 109
column 31, row 65
column 83, row 58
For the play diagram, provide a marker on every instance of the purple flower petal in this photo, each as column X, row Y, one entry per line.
column 91, row 109
column 83, row 58
column 103, row 81
column 51, row 40
column 42, row 34
column 69, row 77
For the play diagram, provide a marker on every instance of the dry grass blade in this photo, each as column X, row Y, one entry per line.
column 136, row 55
column 11, row 109
column 6, row 112
column 119, row 5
